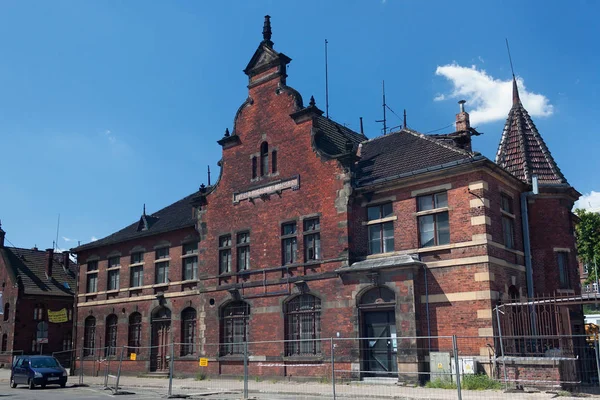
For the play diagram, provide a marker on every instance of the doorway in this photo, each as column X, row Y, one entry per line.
column 161, row 338
column 379, row 346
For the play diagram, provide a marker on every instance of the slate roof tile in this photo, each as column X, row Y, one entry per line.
column 403, row 152
column 29, row 265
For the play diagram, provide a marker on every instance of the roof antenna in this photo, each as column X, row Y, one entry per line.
column 362, row 131
column 326, row 83
column 516, row 99
column 144, row 212
column 510, row 58
column 404, row 122
column 209, row 175
column 55, row 244
column 384, row 120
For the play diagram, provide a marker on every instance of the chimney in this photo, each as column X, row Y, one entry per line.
column 49, row 261
column 462, row 118
column 66, row 260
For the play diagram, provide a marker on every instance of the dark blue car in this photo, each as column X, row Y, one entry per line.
column 37, row 371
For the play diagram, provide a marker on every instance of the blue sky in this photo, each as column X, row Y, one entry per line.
column 107, row 105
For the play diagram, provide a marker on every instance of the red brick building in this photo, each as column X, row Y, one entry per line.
column 314, row 231
column 37, row 292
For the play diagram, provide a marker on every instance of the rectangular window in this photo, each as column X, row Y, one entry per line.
column 92, row 266
column 113, row 279
column 434, row 228
column 190, row 268
column 508, row 221
column 137, row 258
column 289, row 244
column 161, row 272
column 312, row 239
column 563, row 269
column 92, row 283
column 136, row 276
column 225, row 254
column 161, row 253
column 381, row 233
column 243, row 251
column 190, row 248
column 114, row 262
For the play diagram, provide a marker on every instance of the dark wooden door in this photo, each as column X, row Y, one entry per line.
column 161, row 334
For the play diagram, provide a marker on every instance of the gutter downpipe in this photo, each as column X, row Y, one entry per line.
column 427, row 307
column 527, row 243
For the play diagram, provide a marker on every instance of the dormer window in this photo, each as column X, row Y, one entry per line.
column 264, row 159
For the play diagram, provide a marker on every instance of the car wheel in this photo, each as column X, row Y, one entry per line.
column 62, row 385
column 43, row 385
column 12, row 383
column 31, row 384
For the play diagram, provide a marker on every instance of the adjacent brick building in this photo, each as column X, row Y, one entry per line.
column 314, row 231
column 38, row 289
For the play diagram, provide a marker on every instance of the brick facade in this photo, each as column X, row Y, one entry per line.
column 444, row 289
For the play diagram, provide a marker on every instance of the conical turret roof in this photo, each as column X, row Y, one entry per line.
column 522, row 151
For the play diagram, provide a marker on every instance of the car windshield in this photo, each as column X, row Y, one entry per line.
column 46, row 362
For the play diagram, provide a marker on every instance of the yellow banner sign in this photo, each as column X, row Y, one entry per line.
column 204, row 362
column 133, row 356
column 57, row 317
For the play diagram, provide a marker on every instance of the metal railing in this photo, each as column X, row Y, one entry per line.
column 441, row 367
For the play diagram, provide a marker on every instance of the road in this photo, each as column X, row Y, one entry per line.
column 70, row 392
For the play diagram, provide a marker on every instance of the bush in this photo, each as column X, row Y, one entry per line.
column 468, row 382
column 440, row 384
column 479, row 382
column 200, row 376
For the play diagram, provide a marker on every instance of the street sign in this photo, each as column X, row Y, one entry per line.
column 204, row 362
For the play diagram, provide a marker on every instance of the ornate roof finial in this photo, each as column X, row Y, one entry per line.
column 516, row 99
column 312, row 102
column 267, row 30
column 226, row 132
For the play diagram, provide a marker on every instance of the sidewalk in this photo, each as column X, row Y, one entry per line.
column 268, row 389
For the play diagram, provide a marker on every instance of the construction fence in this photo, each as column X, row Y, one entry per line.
column 440, row 367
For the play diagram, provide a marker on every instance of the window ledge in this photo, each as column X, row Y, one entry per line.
column 113, row 268
column 156, row 285
column 189, row 281
column 433, row 211
column 141, row 264
column 112, row 291
column 316, row 357
column 380, row 220
column 231, row 357
column 92, row 293
column 136, row 288
column 162, row 260
column 189, row 255
column 227, row 275
column 507, row 214
column 95, row 271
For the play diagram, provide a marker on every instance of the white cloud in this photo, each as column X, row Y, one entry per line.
column 589, row 201
column 489, row 99
column 440, row 97
column 481, row 59
column 66, row 239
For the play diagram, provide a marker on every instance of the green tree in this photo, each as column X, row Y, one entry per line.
column 588, row 240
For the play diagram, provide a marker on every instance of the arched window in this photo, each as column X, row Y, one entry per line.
column 234, row 327
column 264, row 159
column 188, row 331
column 274, row 161
column 303, row 325
column 111, row 335
column 6, row 311
column 379, row 296
column 4, row 342
column 89, row 336
column 254, row 168
column 135, row 333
